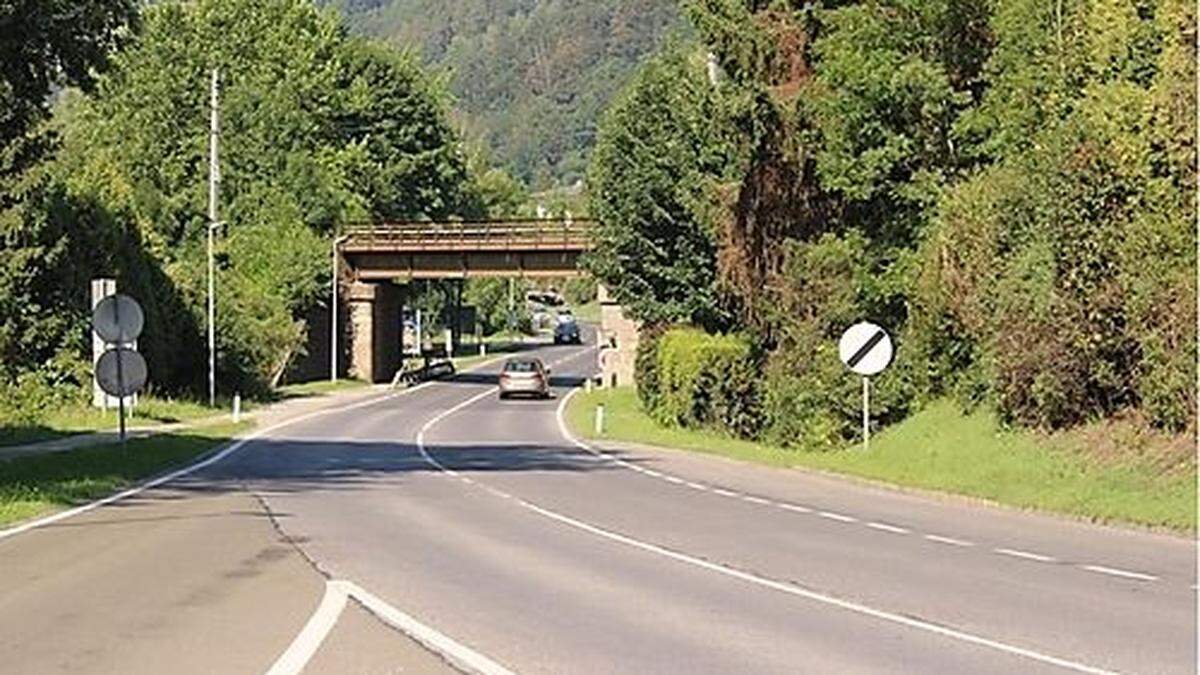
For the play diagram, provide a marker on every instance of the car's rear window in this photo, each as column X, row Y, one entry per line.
column 521, row 367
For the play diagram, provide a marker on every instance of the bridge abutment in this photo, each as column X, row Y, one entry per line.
column 374, row 313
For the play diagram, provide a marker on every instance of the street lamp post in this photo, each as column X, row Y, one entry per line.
column 214, row 177
column 333, row 320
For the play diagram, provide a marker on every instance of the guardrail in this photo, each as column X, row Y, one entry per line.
column 465, row 235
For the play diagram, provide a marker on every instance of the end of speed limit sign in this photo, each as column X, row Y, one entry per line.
column 866, row 349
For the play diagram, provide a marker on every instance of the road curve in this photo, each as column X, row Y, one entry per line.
column 482, row 521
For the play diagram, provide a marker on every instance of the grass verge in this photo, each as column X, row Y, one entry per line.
column 41, row 484
column 80, row 419
column 943, row 450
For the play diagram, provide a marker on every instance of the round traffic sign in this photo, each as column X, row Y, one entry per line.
column 118, row 319
column 866, row 348
column 121, row 372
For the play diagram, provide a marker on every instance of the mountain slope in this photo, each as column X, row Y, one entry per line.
column 531, row 76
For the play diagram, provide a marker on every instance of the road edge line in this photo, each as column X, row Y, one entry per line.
column 456, row 653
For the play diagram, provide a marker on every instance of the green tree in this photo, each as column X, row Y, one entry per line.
column 318, row 129
column 661, row 154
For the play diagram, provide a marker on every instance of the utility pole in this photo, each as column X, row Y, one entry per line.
column 214, row 177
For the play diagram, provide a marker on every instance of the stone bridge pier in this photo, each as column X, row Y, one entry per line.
column 373, row 330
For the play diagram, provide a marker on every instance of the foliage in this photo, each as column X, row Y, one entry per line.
column 1008, row 187
column 49, row 44
column 317, row 129
column 1067, row 268
column 705, row 380
column 531, row 76
column 653, row 182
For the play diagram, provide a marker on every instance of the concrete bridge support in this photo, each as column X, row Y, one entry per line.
column 374, row 314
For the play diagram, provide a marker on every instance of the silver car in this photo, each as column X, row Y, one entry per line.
column 527, row 376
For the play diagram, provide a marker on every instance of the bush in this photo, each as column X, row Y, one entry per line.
column 706, row 381
column 645, row 367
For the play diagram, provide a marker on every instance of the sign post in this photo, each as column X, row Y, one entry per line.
column 866, row 349
column 120, row 371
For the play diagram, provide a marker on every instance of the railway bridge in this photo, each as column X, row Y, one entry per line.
column 370, row 262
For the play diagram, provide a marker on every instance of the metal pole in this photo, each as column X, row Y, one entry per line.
column 866, row 413
column 213, row 180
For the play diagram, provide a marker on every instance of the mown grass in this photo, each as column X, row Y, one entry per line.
column 941, row 449
column 81, row 418
column 318, row 388
column 40, row 484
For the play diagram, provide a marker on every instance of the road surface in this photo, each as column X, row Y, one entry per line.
column 440, row 527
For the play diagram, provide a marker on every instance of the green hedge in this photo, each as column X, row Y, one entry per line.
column 701, row 380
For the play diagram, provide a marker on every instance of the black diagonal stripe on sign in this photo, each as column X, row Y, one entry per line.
column 866, row 349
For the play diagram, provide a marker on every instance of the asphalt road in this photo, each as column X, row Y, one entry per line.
column 507, row 545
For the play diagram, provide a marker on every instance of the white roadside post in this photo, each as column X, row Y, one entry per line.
column 866, row 349
column 600, row 420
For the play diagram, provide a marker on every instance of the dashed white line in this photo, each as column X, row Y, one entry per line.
column 765, row 582
column 1027, row 555
column 840, row 517
column 887, row 528
column 794, row 507
column 948, row 540
column 652, row 473
column 673, row 479
column 725, row 493
column 755, row 500
column 1113, row 571
column 697, row 486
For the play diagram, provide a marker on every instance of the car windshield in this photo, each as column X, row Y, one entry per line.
column 521, row 367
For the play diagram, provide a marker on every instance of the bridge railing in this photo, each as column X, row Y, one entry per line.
column 470, row 235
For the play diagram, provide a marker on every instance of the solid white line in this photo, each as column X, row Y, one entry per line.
column 302, row 649
column 837, row 516
column 948, row 540
column 785, row 587
column 1024, row 554
column 464, row 657
column 1119, row 572
column 887, row 528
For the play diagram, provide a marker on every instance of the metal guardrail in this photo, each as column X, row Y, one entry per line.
column 467, row 235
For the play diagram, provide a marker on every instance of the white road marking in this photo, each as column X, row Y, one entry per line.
column 781, row 586
column 202, row 464
column 755, row 500
column 302, row 649
column 794, row 507
column 887, row 528
column 321, row 623
column 948, row 540
column 1024, row 554
column 674, row 479
column 460, row 655
column 697, row 486
column 837, row 516
column 1113, row 571
column 725, row 493
column 652, row 473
